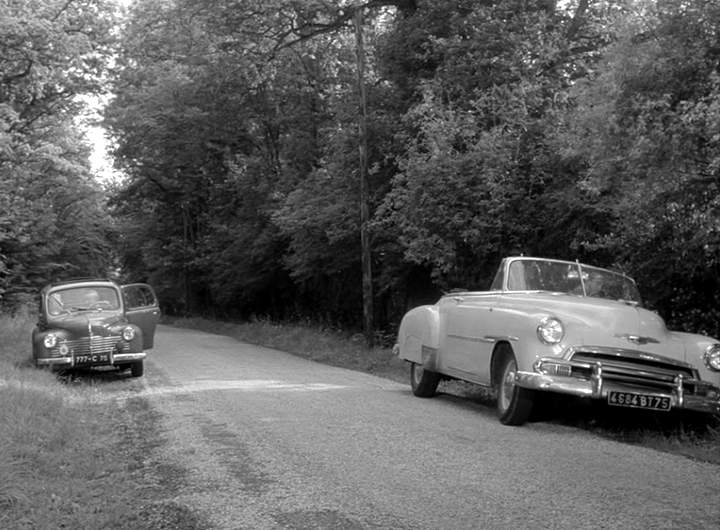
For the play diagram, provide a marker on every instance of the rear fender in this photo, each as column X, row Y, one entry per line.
column 418, row 336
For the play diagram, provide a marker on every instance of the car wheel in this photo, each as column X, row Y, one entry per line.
column 514, row 403
column 137, row 369
column 423, row 382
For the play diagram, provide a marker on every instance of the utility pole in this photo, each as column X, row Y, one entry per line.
column 367, row 290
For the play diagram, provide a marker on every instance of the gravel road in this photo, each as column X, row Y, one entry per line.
column 254, row 438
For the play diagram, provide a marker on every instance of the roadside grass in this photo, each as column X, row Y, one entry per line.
column 692, row 436
column 67, row 460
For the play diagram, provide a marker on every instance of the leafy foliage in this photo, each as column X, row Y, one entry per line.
column 478, row 179
column 645, row 129
column 52, row 221
column 577, row 129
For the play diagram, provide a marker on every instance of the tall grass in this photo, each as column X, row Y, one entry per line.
column 15, row 345
column 36, row 426
column 64, row 459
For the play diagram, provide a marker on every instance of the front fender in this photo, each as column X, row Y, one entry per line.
column 135, row 345
column 695, row 346
column 38, row 336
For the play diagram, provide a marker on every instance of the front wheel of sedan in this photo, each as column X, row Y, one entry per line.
column 423, row 382
column 514, row 403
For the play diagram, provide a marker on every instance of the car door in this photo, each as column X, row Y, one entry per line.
column 467, row 347
column 142, row 309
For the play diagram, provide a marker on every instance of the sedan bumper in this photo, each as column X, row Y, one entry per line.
column 69, row 361
column 683, row 393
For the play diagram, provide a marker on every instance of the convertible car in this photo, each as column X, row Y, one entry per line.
column 558, row 326
column 95, row 323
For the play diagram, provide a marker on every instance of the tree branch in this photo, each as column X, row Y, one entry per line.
column 342, row 17
column 577, row 20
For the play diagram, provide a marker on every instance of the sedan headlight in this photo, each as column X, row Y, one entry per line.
column 50, row 340
column 550, row 330
column 711, row 357
column 128, row 333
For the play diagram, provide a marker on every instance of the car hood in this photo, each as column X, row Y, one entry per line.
column 101, row 323
column 599, row 322
column 618, row 318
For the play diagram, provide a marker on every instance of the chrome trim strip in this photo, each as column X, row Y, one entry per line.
column 622, row 352
column 637, row 339
column 597, row 380
column 498, row 338
column 679, row 390
column 491, row 339
column 469, row 339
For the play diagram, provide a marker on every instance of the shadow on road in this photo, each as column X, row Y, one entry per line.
column 92, row 376
column 693, row 435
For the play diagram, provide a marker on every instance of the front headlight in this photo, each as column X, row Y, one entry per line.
column 711, row 357
column 50, row 340
column 550, row 330
column 128, row 333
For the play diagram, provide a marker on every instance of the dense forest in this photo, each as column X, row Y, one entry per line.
column 578, row 129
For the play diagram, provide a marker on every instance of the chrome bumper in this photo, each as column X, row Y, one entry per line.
column 69, row 360
column 596, row 387
column 125, row 357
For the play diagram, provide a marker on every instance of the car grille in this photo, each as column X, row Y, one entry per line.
column 633, row 370
column 93, row 345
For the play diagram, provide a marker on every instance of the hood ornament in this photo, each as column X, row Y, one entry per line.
column 637, row 339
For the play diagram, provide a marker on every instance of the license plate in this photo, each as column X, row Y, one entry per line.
column 92, row 358
column 639, row 401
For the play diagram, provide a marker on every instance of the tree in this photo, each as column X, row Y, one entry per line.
column 576, row 130
column 52, row 222
column 644, row 134
column 225, row 109
column 479, row 178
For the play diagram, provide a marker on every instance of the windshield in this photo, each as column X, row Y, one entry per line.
column 570, row 278
column 83, row 299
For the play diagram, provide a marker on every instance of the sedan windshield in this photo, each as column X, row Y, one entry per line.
column 571, row 278
column 83, row 299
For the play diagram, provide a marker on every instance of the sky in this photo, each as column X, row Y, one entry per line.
column 100, row 160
